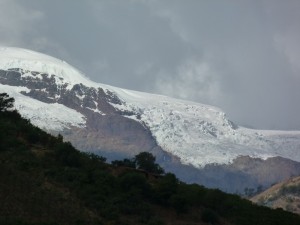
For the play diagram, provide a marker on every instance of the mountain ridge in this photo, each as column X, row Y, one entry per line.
column 101, row 117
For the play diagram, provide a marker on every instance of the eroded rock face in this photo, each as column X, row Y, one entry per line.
column 107, row 130
column 45, row 88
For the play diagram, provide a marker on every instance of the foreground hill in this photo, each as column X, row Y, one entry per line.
column 44, row 180
column 285, row 195
column 196, row 141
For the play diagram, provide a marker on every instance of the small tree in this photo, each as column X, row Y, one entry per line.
column 146, row 161
column 6, row 102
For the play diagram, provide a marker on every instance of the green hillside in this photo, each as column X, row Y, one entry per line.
column 44, row 180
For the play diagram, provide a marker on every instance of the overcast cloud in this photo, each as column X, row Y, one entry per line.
column 242, row 56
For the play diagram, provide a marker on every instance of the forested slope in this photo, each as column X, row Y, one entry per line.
column 44, row 180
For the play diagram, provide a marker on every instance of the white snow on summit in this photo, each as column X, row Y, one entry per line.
column 33, row 61
column 198, row 134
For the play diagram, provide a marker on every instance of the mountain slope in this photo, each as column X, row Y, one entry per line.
column 46, row 181
column 118, row 122
column 285, row 195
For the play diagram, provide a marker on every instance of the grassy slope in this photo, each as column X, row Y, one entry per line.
column 285, row 195
column 46, row 181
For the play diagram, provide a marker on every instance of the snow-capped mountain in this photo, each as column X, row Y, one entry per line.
column 57, row 97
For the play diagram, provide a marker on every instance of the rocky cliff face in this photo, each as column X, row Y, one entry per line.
column 106, row 130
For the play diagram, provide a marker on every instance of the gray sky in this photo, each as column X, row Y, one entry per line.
column 242, row 56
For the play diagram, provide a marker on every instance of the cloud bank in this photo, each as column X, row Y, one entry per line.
column 242, row 56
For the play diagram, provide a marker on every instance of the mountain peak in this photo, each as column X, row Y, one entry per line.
column 28, row 60
column 196, row 133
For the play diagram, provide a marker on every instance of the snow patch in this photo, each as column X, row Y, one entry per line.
column 51, row 117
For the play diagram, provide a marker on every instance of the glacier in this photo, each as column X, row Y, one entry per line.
column 198, row 134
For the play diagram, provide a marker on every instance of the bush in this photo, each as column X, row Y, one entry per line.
column 165, row 188
column 125, row 162
column 6, row 102
column 67, row 155
column 136, row 181
column 146, row 161
column 209, row 216
column 179, row 203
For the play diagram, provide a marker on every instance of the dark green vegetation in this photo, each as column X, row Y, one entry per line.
column 143, row 161
column 44, row 180
column 6, row 102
